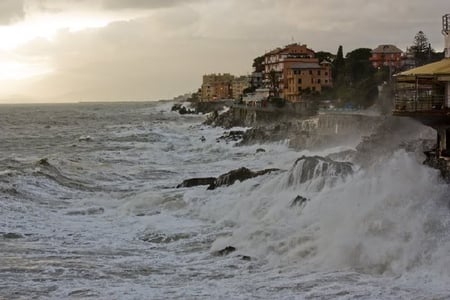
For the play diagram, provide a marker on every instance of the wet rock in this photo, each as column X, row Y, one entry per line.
column 176, row 107
column 229, row 178
column 308, row 167
column 260, row 150
column 203, row 139
column 298, row 201
column 162, row 238
column 12, row 235
column 197, row 181
column 240, row 174
column 231, row 136
column 225, row 120
column 43, row 162
column 89, row 211
column 182, row 110
column 245, row 257
column 225, row 251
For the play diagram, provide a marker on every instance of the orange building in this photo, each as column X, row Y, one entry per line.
column 292, row 71
column 387, row 55
column 217, row 87
column 303, row 78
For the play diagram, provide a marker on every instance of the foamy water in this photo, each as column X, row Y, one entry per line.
column 89, row 209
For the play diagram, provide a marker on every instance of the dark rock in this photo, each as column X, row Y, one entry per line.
column 225, row 251
column 89, row 211
column 203, row 139
column 44, row 162
column 225, row 120
column 176, row 107
column 308, row 167
column 197, row 181
column 246, row 257
column 231, row 136
column 240, row 174
column 260, row 150
column 299, row 200
column 12, row 235
column 162, row 238
column 182, row 110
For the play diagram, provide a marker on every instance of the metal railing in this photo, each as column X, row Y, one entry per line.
column 419, row 103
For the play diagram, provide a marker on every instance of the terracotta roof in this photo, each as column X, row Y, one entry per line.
column 441, row 67
column 386, row 49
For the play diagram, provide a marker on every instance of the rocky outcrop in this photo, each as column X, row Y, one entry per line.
column 298, row 201
column 307, row 168
column 12, row 235
column 225, row 120
column 231, row 136
column 225, row 251
column 197, row 181
column 182, row 110
column 226, row 179
column 240, row 174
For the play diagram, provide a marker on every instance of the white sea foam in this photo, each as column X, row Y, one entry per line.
column 113, row 225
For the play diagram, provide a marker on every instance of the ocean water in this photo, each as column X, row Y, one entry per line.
column 89, row 210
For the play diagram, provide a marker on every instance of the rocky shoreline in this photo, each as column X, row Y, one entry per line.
column 379, row 136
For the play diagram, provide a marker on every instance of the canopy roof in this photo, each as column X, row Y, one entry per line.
column 439, row 68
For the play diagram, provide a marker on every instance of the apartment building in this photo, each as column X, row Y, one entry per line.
column 216, row 87
column 293, row 71
column 306, row 78
column 238, row 85
column 387, row 55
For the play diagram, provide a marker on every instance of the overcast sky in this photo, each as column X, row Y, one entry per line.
column 96, row 50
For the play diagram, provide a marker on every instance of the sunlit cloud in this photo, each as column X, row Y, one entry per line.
column 153, row 49
column 14, row 70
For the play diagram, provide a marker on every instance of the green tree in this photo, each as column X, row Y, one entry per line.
column 358, row 66
column 325, row 56
column 274, row 80
column 258, row 65
column 421, row 49
column 338, row 65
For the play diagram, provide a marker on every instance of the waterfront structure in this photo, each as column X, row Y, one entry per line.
column 256, row 98
column 293, row 71
column 423, row 93
column 387, row 55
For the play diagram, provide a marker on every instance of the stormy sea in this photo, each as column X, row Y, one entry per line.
column 90, row 209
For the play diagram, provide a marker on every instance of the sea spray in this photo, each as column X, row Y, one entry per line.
column 389, row 222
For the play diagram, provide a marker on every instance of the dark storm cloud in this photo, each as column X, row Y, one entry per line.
column 11, row 10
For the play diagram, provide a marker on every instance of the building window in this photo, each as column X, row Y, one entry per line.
column 310, row 72
column 299, row 81
column 318, row 72
column 299, row 89
column 326, row 73
column 318, row 81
